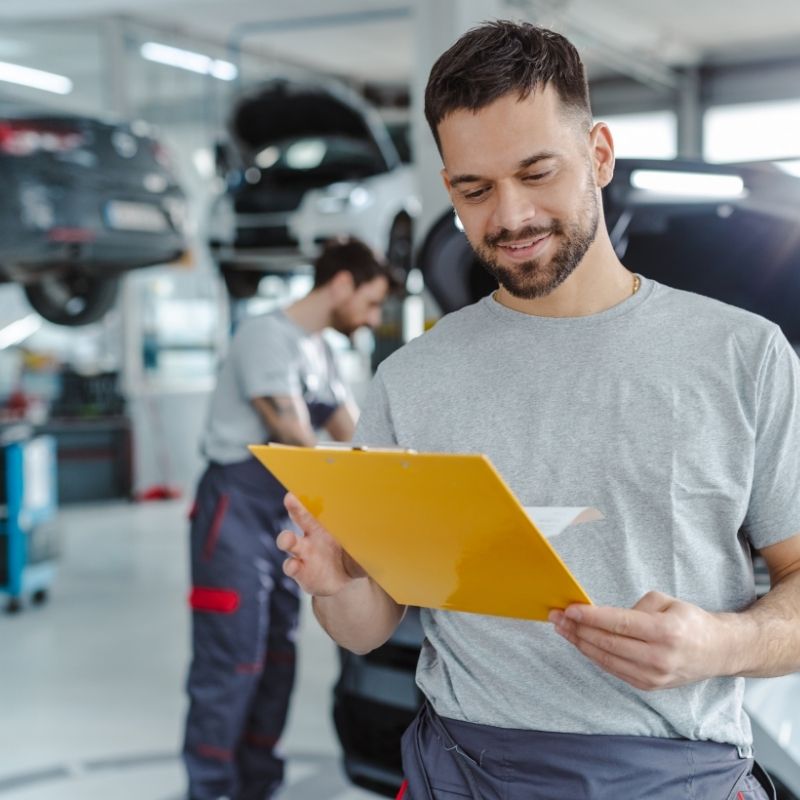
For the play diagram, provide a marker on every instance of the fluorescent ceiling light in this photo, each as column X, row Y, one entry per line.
column 688, row 184
column 186, row 59
column 34, row 78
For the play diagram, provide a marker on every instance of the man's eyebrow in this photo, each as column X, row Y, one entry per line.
column 531, row 160
column 524, row 164
column 459, row 179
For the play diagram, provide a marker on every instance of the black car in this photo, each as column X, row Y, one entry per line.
column 730, row 232
column 83, row 201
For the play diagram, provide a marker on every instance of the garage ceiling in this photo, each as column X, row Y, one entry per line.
column 373, row 39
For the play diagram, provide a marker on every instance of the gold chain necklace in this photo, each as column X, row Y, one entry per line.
column 637, row 282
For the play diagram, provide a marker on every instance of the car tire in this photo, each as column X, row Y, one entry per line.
column 241, row 284
column 400, row 244
column 73, row 299
column 453, row 275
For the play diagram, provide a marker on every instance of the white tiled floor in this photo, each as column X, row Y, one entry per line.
column 91, row 683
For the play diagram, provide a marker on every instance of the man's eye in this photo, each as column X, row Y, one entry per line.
column 537, row 176
column 474, row 195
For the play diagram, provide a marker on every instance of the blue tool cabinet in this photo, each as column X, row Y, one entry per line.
column 28, row 532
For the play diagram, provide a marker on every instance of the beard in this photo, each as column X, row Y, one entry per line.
column 344, row 326
column 539, row 277
column 342, row 323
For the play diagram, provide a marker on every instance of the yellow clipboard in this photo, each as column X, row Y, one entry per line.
column 434, row 530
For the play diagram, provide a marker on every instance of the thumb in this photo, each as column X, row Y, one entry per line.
column 654, row 602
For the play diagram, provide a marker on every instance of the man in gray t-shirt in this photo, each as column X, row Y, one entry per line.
column 279, row 383
column 677, row 416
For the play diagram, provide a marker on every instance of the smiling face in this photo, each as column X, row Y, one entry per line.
column 524, row 178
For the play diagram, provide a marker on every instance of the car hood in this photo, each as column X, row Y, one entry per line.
column 285, row 109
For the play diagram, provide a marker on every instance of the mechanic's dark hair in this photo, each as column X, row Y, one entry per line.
column 352, row 255
column 500, row 57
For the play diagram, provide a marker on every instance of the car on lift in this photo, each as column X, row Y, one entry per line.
column 731, row 232
column 83, row 201
column 306, row 161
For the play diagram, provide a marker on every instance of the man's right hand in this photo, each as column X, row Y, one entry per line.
column 317, row 562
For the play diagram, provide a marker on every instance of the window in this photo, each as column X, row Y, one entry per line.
column 647, row 135
column 752, row 131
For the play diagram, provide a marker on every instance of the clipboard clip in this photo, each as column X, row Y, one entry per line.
column 363, row 448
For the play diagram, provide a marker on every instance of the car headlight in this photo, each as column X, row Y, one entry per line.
column 340, row 197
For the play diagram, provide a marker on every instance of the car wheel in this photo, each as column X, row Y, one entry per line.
column 73, row 299
column 399, row 248
column 452, row 272
column 241, row 284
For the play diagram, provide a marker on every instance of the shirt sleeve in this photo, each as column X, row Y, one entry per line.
column 375, row 427
column 773, row 514
column 267, row 360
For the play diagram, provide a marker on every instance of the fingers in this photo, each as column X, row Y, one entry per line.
column 634, row 623
column 629, row 671
column 291, row 567
column 654, row 602
column 643, row 646
column 287, row 541
column 619, row 655
column 298, row 513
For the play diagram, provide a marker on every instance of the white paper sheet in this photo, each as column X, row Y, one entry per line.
column 553, row 520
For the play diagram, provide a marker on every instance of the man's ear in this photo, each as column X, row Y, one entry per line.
column 602, row 146
column 342, row 285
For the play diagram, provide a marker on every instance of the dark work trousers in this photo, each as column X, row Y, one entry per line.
column 445, row 759
column 244, row 621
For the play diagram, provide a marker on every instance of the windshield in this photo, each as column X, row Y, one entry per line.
column 320, row 160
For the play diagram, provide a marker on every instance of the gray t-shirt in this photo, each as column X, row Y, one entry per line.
column 675, row 415
column 269, row 355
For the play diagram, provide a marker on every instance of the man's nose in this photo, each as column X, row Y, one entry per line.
column 514, row 208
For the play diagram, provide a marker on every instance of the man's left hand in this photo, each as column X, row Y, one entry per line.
column 660, row 643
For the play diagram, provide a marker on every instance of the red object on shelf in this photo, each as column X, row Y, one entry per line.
column 158, row 492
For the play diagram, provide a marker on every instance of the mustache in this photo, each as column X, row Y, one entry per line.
column 528, row 232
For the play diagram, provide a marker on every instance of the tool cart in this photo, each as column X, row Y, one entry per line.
column 28, row 533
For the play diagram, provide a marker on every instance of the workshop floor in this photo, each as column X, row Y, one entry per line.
column 91, row 683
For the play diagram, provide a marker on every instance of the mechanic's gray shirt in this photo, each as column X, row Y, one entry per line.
column 677, row 416
column 269, row 355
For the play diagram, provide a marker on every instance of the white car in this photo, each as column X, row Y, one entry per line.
column 313, row 161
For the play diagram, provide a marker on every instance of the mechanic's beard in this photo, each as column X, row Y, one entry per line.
column 342, row 323
column 539, row 277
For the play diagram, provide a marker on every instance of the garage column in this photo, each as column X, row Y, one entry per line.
column 117, row 100
column 690, row 114
column 437, row 24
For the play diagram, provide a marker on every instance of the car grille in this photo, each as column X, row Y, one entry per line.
column 266, row 236
column 266, row 199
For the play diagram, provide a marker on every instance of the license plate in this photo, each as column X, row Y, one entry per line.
column 126, row 216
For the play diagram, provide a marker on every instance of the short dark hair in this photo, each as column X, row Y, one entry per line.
column 499, row 57
column 348, row 254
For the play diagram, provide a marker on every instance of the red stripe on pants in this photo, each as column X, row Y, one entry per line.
column 219, row 601
column 216, row 524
